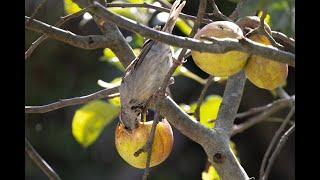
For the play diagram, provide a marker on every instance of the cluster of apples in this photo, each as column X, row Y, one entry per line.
column 262, row 72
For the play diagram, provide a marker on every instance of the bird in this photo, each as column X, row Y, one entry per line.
column 145, row 75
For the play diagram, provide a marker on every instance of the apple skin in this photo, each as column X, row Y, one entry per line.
column 262, row 72
column 128, row 142
column 225, row 64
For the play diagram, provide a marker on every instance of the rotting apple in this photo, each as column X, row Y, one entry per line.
column 128, row 142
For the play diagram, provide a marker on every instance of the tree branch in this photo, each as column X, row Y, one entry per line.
column 42, row 38
column 217, row 46
column 149, row 144
column 230, row 102
column 255, row 110
column 273, row 143
column 41, row 163
column 277, row 150
column 179, row 61
column 235, row 14
column 274, row 107
column 201, row 97
column 158, row 8
column 218, row 13
column 215, row 144
column 85, row 42
column 105, row 93
column 34, row 14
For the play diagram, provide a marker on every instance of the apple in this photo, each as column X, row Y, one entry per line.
column 263, row 72
column 128, row 142
column 220, row 64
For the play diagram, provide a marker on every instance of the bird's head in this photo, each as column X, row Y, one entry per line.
column 130, row 117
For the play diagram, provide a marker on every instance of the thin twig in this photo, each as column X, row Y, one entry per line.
column 149, row 144
column 235, row 14
column 42, row 38
column 201, row 97
column 273, row 142
column 218, row 13
column 255, row 110
column 261, row 117
column 34, row 14
column 105, row 93
column 158, row 8
column 277, row 150
column 262, row 30
column 288, row 43
column 41, row 163
column 85, row 42
column 278, row 120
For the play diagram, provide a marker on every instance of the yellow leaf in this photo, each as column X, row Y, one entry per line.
column 183, row 26
column 267, row 19
column 70, row 7
column 211, row 174
column 208, row 110
column 89, row 121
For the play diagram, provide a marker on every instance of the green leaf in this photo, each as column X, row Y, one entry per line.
column 208, row 110
column 89, row 121
column 70, row 7
column 211, row 174
column 183, row 26
column 138, row 40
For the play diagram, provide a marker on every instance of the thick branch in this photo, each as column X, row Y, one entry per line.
column 217, row 46
column 230, row 102
column 70, row 102
column 215, row 143
column 41, row 163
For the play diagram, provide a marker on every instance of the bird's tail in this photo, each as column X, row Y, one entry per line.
column 173, row 16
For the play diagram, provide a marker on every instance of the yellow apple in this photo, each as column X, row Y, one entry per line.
column 128, row 142
column 223, row 64
column 263, row 72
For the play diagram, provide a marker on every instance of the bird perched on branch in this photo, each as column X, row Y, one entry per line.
column 145, row 75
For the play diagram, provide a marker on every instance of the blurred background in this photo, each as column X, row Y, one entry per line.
column 57, row 71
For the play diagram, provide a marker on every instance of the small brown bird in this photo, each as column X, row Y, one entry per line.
column 144, row 76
